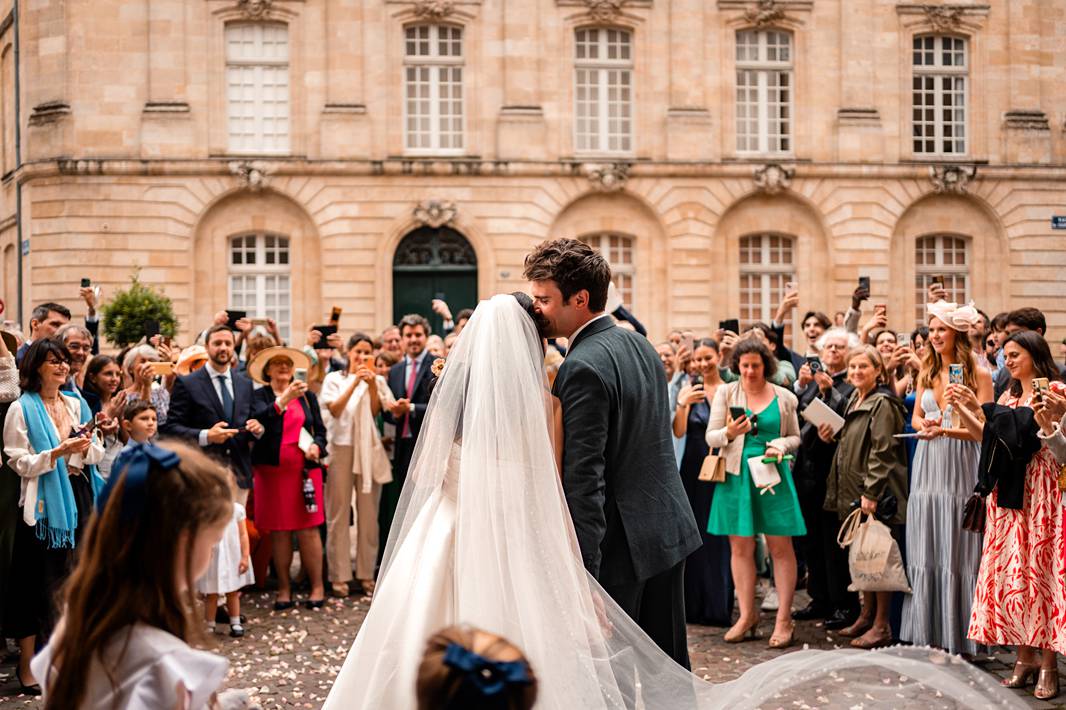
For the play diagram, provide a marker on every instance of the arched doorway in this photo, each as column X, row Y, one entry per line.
column 433, row 262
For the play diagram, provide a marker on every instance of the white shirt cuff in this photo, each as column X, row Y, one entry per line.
column 203, row 437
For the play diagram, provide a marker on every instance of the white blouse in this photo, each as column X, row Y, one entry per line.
column 9, row 379
column 343, row 430
column 147, row 675
column 30, row 464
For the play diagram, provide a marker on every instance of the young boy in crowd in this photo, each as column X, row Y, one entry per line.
column 140, row 423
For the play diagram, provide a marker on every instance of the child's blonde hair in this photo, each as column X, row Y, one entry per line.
column 126, row 571
column 452, row 675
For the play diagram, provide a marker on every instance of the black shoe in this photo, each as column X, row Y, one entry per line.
column 34, row 690
column 236, row 630
column 284, row 606
column 222, row 616
column 811, row 611
column 840, row 619
column 315, row 603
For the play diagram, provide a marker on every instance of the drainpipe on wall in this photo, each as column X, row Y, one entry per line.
column 18, row 160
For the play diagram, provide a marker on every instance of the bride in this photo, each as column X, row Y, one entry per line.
column 482, row 536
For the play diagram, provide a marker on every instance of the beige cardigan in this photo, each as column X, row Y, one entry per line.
column 732, row 395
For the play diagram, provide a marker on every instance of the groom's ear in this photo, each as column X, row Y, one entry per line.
column 580, row 299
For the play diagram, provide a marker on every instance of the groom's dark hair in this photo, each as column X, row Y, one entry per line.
column 573, row 265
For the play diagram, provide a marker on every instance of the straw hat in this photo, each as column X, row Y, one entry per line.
column 10, row 341
column 259, row 362
column 189, row 357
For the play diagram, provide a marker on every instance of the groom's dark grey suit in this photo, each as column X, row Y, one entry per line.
column 634, row 524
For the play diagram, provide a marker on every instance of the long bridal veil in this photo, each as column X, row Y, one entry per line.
column 517, row 570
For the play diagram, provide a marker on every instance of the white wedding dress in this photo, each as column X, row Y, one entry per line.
column 482, row 536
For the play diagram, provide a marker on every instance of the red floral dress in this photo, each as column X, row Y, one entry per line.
column 1021, row 594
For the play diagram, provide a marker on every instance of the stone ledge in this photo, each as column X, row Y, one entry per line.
column 358, row 109
column 167, row 107
column 49, row 112
column 859, row 117
column 1026, row 120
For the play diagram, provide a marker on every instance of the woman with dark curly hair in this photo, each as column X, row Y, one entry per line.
column 752, row 420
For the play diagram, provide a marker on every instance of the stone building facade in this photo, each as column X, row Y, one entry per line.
column 285, row 156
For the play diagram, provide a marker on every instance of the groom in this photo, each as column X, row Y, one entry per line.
column 633, row 522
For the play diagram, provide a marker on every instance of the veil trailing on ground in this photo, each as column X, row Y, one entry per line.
column 516, row 569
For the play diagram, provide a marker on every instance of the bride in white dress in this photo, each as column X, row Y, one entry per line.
column 482, row 536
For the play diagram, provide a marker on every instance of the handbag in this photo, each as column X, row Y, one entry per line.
column 874, row 559
column 973, row 514
column 713, row 468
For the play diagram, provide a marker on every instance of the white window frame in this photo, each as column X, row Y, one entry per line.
column 763, row 69
column 260, row 66
column 940, row 73
column 604, row 70
column 434, row 62
column 601, row 242
column 924, row 274
column 261, row 271
column 767, row 272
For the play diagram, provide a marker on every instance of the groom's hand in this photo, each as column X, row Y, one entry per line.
column 400, row 407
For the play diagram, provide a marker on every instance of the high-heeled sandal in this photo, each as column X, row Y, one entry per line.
column 783, row 641
column 1047, row 684
column 1023, row 673
column 860, row 627
column 750, row 632
column 34, row 689
column 883, row 638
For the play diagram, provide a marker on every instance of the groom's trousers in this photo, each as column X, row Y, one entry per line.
column 658, row 606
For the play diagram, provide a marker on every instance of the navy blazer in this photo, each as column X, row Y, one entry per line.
column 195, row 405
column 267, row 450
column 420, row 397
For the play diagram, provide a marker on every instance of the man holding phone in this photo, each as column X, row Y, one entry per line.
column 212, row 407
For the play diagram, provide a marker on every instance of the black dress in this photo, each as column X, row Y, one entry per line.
column 708, row 578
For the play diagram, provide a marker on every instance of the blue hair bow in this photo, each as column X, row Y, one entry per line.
column 489, row 678
column 134, row 464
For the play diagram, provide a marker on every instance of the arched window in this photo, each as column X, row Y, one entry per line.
column 766, row 265
column 603, row 91
column 257, row 87
column 259, row 278
column 944, row 258
column 764, row 91
column 433, row 88
column 617, row 249
column 938, row 95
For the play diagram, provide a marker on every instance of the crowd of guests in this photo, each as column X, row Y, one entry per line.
column 957, row 421
column 312, row 442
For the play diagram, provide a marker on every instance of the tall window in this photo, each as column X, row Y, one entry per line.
column 259, row 267
column 766, row 265
column 943, row 258
column 433, row 86
column 938, row 95
column 603, row 91
column 257, row 87
column 617, row 249
column 764, row 91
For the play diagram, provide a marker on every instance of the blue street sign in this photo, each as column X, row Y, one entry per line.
column 1058, row 222
column 25, row 247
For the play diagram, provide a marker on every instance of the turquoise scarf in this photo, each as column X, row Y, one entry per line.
column 55, row 512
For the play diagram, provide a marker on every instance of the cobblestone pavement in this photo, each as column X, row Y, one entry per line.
column 288, row 659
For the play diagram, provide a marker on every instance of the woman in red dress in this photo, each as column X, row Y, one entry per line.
column 285, row 459
column 1020, row 598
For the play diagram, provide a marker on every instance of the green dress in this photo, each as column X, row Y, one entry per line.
column 739, row 508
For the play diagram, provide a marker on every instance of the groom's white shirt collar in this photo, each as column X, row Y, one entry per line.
column 573, row 337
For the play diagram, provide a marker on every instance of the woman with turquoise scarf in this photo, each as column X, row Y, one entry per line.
column 50, row 445
column 753, row 422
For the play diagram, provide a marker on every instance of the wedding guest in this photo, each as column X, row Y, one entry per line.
column 103, row 376
column 229, row 571
column 59, row 482
column 668, row 357
column 768, row 428
column 212, row 406
column 869, row 465
column 823, row 378
column 351, row 401
column 79, row 342
column 1019, row 599
column 1019, row 320
column 10, row 514
column 409, row 381
column 392, row 343
column 156, row 524
column 45, row 320
column 942, row 560
column 453, row 668
column 190, row 360
column 142, row 382
column 286, row 459
column 708, row 581
column 140, row 423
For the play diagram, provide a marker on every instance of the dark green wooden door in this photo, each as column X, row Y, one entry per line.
column 433, row 263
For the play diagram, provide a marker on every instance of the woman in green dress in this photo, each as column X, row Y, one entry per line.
column 768, row 428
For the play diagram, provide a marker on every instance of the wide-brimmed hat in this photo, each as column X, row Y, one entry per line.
column 10, row 341
column 189, row 357
column 259, row 362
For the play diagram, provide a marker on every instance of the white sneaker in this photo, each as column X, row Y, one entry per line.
column 770, row 601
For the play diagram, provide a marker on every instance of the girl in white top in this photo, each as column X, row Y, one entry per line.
column 350, row 399
column 163, row 510
column 229, row 571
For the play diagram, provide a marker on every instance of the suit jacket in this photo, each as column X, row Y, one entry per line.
column 195, row 405
column 267, row 450
column 93, row 326
column 419, row 398
column 632, row 518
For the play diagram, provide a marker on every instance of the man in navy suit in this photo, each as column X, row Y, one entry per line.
column 212, row 407
column 409, row 380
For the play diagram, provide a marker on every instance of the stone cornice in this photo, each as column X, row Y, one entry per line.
column 766, row 13
column 943, row 17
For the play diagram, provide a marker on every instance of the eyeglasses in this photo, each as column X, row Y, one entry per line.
column 79, row 348
column 56, row 363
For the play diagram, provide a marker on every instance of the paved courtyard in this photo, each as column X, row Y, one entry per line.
column 288, row 659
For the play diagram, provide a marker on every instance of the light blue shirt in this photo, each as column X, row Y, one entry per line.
column 218, row 380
